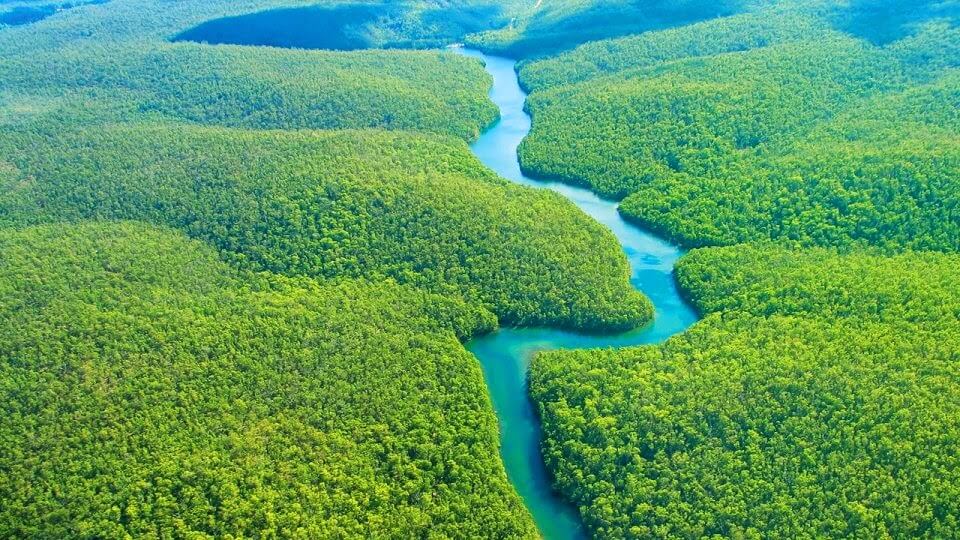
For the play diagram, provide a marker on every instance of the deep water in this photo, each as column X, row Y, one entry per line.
column 505, row 355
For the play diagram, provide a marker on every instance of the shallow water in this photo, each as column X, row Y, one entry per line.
column 505, row 355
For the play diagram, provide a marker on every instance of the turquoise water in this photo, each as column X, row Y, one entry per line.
column 505, row 355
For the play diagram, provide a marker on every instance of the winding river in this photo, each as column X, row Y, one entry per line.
column 505, row 355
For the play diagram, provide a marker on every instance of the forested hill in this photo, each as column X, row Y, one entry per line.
column 151, row 390
column 117, row 60
column 551, row 26
column 254, row 87
column 434, row 22
column 239, row 259
column 778, row 124
column 818, row 142
column 819, row 397
column 417, row 209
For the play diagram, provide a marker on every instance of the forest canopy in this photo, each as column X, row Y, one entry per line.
column 150, row 389
column 237, row 272
column 766, row 125
column 235, row 281
column 553, row 26
column 819, row 397
column 332, row 204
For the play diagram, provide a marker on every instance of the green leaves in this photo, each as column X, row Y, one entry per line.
column 152, row 390
column 417, row 209
column 763, row 126
column 818, row 397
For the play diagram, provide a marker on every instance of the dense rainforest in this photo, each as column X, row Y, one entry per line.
column 417, row 209
column 819, row 398
column 235, row 283
column 153, row 391
column 243, row 243
column 767, row 125
column 819, row 395
column 761, row 427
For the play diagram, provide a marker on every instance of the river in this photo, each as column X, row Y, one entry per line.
column 505, row 355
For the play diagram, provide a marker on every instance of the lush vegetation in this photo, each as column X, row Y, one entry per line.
column 151, row 390
column 550, row 26
column 818, row 399
column 716, row 36
column 234, row 281
column 354, row 26
column 417, row 209
column 760, row 126
column 264, row 88
column 765, row 280
column 819, row 396
column 418, row 23
column 885, row 174
column 695, row 114
column 756, row 428
column 14, row 12
column 885, row 22
column 116, row 59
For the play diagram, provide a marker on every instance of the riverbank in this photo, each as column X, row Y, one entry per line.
column 505, row 355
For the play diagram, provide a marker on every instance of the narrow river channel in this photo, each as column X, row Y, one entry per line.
column 505, row 355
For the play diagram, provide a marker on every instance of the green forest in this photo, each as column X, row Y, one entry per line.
column 818, row 398
column 154, row 391
column 550, row 27
column 772, row 125
column 248, row 247
column 761, row 427
column 333, row 204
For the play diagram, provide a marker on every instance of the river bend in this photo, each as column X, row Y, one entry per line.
column 505, row 355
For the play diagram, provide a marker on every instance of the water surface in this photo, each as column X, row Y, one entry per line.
column 505, row 355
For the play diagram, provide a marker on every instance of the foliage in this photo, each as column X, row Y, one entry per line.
column 418, row 23
column 819, row 398
column 552, row 26
column 756, row 428
column 353, row 26
column 271, row 348
column 721, row 35
column 882, row 174
column 763, row 280
column 269, row 88
column 295, row 369
column 25, row 12
column 884, row 22
column 152, row 391
column 788, row 131
column 335, row 204
column 692, row 115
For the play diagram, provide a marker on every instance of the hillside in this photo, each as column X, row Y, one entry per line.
column 750, row 128
column 152, row 390
column 336, row 204
column 818, row 397
column 550, row 26
column 259, row 279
